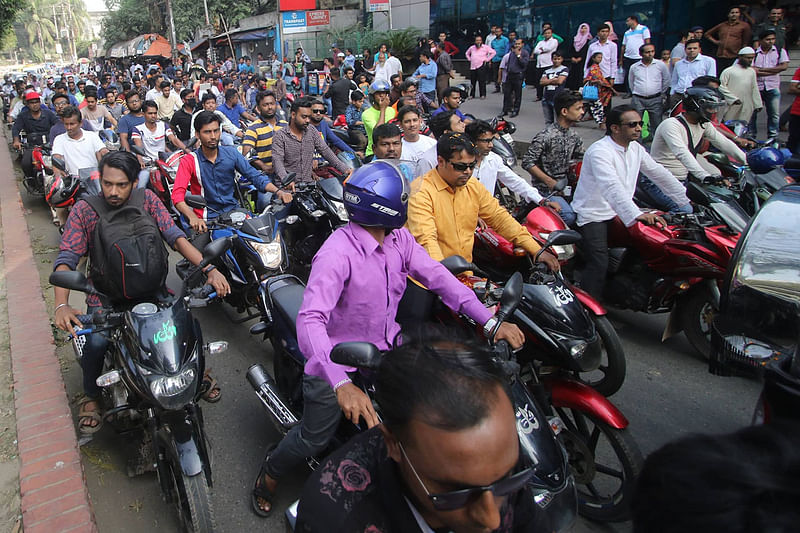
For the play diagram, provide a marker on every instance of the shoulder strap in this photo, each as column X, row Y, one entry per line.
column 692, row 147
column 136, row 198
column 98, row 203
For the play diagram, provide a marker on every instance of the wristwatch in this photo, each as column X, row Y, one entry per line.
column 488, row 328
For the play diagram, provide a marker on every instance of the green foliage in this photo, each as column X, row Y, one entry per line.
column 8, row 13
column 126, row 19
column 403, row 42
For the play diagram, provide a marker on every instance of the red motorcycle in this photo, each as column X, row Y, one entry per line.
column 558, row 319
column 677, row 269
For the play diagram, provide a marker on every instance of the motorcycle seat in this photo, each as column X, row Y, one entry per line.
column 287, row 300
column 792, row 163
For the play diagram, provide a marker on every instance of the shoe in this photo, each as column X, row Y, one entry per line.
column 537, row 99
column 514, row 114
column 496, row 91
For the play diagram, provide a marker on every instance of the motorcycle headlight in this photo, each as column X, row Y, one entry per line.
column 341, row 211
column 269, row 252
column 168, row 386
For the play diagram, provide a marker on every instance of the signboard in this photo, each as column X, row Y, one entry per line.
column 297, row 5
column 318, row 18
column 294, row 22
column 377, row 5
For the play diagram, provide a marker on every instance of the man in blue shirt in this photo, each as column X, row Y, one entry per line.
column 319, row 122
column 233, row 109
column 451, row 101
column 500, row 44
column 133, row 118
column 426, row 74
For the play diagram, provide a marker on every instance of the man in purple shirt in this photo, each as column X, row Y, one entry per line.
column 357, row 280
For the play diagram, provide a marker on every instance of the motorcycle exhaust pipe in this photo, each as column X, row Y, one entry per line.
column 264, row 385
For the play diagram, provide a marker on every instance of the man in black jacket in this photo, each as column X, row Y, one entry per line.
column 339, row 93
column 36, row 122
column 518, row 59
column 182, row 118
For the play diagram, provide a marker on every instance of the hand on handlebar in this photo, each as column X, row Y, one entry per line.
column 510, row 333
column 17, row 145
column 220, row 284
column 66, row 317
column 198, row 224
column 355, row 404
column 284, row 196
column 651, row 219
column 550, row 260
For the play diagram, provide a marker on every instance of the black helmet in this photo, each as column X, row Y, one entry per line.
column 703, row 101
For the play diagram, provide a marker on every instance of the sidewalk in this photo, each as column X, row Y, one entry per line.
column 52, row 486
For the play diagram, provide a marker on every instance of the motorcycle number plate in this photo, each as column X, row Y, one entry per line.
column 509, row 139
column 567, row 190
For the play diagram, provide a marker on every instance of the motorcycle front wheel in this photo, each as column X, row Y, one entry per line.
column 605, row 462
column 192, row 501
column 610, row 375
column 697, row 314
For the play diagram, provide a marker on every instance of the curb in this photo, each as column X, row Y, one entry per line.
column 53, row 492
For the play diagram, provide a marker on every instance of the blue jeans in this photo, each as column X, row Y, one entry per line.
column 772, row 105
column 94, row 352
column 567, row 214
column 226, row 139
column 657, row 198
column 144, row 179
column 549, row 111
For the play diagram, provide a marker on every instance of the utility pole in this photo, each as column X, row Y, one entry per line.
column 173, row 41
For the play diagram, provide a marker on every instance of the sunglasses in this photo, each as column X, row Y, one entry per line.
column 449, row 501
column 318, row 111
column 461, row 167
column 633, row 124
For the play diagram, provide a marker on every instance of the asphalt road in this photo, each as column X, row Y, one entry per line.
column 668, row 393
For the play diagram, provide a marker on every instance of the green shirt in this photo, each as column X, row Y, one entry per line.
column 370, row 119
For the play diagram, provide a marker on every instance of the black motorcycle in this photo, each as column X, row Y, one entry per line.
column 152, row 382
column 751, row 188
column 552, row 490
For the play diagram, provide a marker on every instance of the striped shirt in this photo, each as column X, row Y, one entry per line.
column 259, row 138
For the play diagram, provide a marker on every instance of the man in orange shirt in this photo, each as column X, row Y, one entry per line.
column 729, row 36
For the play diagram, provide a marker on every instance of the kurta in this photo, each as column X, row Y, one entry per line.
column 741, row 83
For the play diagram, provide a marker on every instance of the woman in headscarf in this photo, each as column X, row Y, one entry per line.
column 577, row 57
column 611, row 35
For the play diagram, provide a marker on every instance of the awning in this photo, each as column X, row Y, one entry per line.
column 158, row 47
column 257, row 34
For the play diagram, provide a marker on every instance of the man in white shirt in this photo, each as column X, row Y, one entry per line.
column 648, row 81
column 414, row 144
column 393, row 66
column 676, row 139
column 636, row 36
column 152, row 137
column 769, row 63
column 609, row 50
column 611, row 168
column 687, row 69
column 80, row 149
column 229, row 130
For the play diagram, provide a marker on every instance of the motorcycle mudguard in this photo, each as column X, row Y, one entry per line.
column 674, row 321
column 575, row 395
column 588, row 301
column 180, row 440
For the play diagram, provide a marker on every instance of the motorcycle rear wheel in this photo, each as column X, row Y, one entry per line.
column 697, row 314
column 610, row 375
column 193, row 502
column 605, row 462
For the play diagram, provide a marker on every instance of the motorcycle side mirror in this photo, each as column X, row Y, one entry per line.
column 59, row 163
column 195, row 201
column 561, row 237
column 138, row 150
column 290, row 178
column 72, row 280
column 357, row 354
column 560, row 184
column 512, row 294
column 457, row 264
column 215, row 249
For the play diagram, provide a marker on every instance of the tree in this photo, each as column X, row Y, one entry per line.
column 8, row 14
column 126, row 19
column 39, row 27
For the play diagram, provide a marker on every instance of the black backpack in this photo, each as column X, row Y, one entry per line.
column 128, row 261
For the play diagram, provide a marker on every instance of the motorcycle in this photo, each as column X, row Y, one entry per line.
column 751, row 189
column 42, row 164
column 554, row 492
column 558, row 319
column 110, row 139
column 152, row 382
column 603, row 457
column 757, row 329
column 258, row 252
column 503, row 143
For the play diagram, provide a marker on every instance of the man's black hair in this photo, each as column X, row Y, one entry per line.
column 766, row 33
column 634, row 17
column 425, row 53
column 59, row 95
column 614, row 117
column 260, row 95
column 203, row 118
column 645, row 45
column 130, row 94
column 57, row 86
column 356, row 96
column 90, row 92
column 230, row 94
column 445, row 383
column 704, row 81
column 407, row 84
column 385, row 131
column 208, row 95
column 164, row 84
column 301, row 102
column 127, row 162
column 186, row 92
column 70, row 111
column 348, row 69
column 477, row 128
column 406, row 110
column 450, row 90
column 440, row 123
column 453, row 143
column 335, row 74
column 602, row 27
column 393, row 77
column 147, row 104
column 692, row 41
column 565, row 100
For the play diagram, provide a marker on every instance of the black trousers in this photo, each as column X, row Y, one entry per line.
column 793, row 143
column 512, row 93
column 626, row 65
column 594, row 247
column 478, row 76
column 26, row 162
column 538, row 78
column 495, row 72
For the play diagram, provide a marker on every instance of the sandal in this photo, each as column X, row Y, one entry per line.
column 212, row 393
column 87, row 416
column 261, row 491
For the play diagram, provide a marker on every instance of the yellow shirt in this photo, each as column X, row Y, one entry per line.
column 443, row 220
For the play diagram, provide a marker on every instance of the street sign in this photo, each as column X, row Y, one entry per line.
column 318, row 18
column 294, row 22
column 378, row 5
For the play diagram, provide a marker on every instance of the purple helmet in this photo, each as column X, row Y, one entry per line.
column 764, row 159
column 376, row 195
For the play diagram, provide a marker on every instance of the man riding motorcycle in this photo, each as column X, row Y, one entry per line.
column 447, row 202
column 357, row 280
column 36, row 122
column 675, row 144
column 118, row 175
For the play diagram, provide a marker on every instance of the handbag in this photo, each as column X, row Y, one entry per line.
column 590, row 93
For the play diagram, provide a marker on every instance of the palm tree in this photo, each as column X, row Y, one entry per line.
column 38, row 25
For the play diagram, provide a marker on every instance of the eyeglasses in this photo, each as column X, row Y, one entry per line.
column 487, row 140
column 449, row 501
column 318, row 111
column 633, row 124
column 461, row 167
